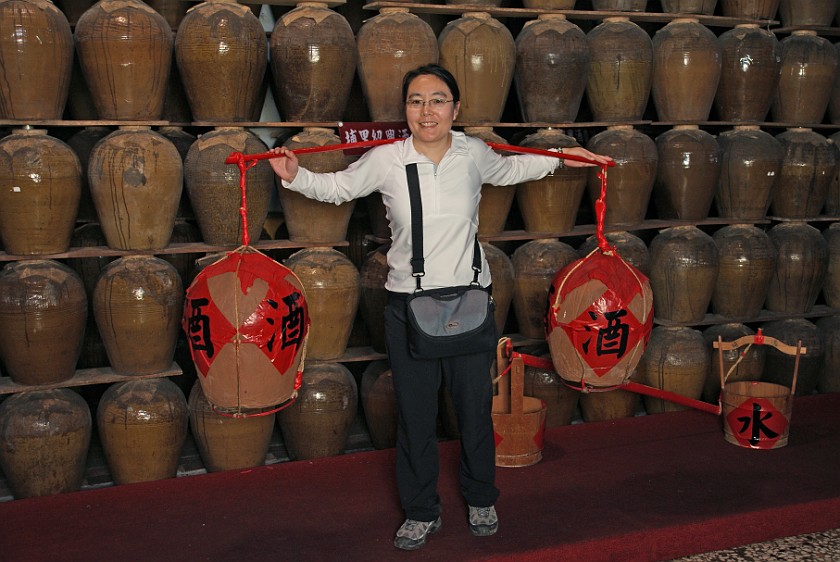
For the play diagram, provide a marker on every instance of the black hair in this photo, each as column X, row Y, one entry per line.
column 432, row 70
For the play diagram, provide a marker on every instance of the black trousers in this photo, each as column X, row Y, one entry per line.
column 416, row 383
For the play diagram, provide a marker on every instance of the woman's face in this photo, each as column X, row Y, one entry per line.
column 430, row 122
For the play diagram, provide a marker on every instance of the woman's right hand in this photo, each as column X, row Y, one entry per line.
column 285, row 165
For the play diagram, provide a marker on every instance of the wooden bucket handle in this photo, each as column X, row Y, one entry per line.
column 503, row 349
column 761, row 339
column 511, row 396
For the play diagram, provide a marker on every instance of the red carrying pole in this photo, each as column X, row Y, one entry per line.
column 631, row 386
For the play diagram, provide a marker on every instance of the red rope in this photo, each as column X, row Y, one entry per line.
column 240, row 414
column 630, row 386
column 600, row 204
column 244, row 164
column 671, row 397
column 236, row 157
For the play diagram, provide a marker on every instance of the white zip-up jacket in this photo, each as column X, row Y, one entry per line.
column 450, row 192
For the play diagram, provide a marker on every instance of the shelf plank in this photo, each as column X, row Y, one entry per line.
column 84, row 377
column 180, row 248
column 457, row 124
column 589, row 229
column 653, row 17
column 818, row 311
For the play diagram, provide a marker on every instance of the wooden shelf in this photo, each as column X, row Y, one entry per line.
column 764, row 316
column 182, row 248
column 84, row 377
column 653, row 17
column 458, row 124
column 353, row 354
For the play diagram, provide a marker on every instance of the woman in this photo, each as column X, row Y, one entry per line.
column 452, row 168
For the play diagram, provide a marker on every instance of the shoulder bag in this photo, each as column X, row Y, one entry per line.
column 452, row 320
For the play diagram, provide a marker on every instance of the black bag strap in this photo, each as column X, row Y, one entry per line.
column 417, row 260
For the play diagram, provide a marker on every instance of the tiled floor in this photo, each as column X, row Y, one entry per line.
column 815, row 547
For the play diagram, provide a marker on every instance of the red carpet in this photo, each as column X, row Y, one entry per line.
column 642, row 489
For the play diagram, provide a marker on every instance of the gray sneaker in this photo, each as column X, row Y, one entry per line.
column 412, row 535
column 483, row 521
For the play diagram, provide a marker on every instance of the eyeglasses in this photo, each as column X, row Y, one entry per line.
column 435, row 103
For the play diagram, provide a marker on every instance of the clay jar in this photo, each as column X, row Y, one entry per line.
column 82, row 143
column 138, row 302
column 379, row 404
column 184, row 233
column 317, row 424
column 620, row 5
column 496, row 200
column 173, row 11
column 684, row 269
column 620, row 71
column 89, row 268
column 551, row 204
column 751, row 161
column 630, row 248
column 480, row 52
column 136, row 178
column 125, row 52
column 747, row 263
column 612, row 405
column 807, row 12
column 36, row 47
column 44, row 440
column 182, row 141
column 374, row 298
column 808, row 169
column 550, row 4
column 751, row 63
column 687, row 173
column 829, row 378
column 332, row 286
column 482, row 3
column 779, row 366
column 503, row 275
column 831, row 283
column 222, row 56
column 389, row 45
column 546, row 384
column 213, row 186
column 142, row 425
column 224, row 442
column 306, row 87
column 40, row 189
column 686, row 70
column 705, row 7
column 309, row 220
column 43, row 311
column 535, row 264
column 552, row 68
column 832, row 198
column 741, row 364
column 834, row 99
column 801, row 264
column 676, row 360
column 750, row 9
column 809, row 65
column 630, row 180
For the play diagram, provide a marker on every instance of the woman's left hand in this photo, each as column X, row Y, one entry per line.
column 580, row 151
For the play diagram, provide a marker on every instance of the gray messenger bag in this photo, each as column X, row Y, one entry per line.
column 452, row 320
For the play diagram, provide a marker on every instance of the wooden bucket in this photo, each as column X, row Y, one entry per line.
column 518, row 420
column 756, row 415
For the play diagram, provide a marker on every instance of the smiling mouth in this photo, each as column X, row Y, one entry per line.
column 428, row 123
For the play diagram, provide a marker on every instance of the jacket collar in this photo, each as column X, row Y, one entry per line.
column 411, row 156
